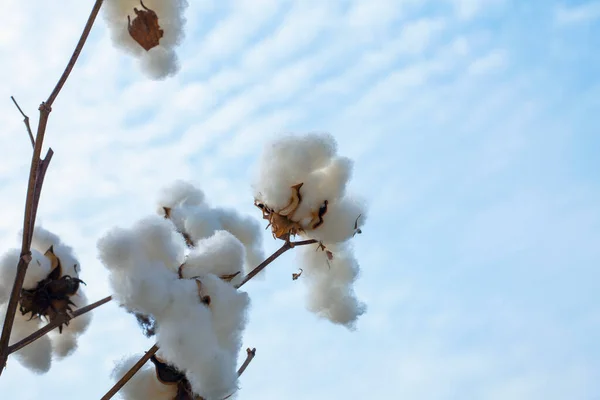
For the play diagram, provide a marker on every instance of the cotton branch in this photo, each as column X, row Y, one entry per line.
column 249, row 356
column 286, row 246
column 25, row 121
column 34, row 188
column 63, row 318
column 130, row 373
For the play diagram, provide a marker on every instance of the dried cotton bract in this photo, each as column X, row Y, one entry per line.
column 51, row 288
column 199, row 316
column 301, row 190
column 148, row 29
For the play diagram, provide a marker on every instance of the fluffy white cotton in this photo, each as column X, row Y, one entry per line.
column 160, row 61
column 330, row 291
column 229, row 309
column 288, row 161
column 221, row 254
column 144, row 385
column 38, row 269
column 37, row 356
column 310, row 160
column 188, row 340
column 202, row 340
column 248, row 231
column 160, row 241
column 64, row 344
column 191, row 215
column 43, row 239
column 180, row 193
column 340, row 220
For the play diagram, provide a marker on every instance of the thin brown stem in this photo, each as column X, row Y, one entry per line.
column 286, row 246
column 25, row 121
column 34, row 186
column 76, row 52
column 138, row 365
column 249, row 356
column 63, row 318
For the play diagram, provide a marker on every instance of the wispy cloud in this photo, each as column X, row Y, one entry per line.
column 474, row 130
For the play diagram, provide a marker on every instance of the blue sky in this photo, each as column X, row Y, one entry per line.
column 474, row 130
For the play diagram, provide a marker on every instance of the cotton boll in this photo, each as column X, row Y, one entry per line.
column 288, row 161
column 187, row 339
column 180, row 193
column 160, row 241
column 159, row 63
column 229, row 309
column 144, row 385
column 220, row 254
column 338, row 222
column 37, row 356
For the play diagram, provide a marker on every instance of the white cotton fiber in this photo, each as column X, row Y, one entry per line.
column 160, row 241
column 179, row 193
column 64, row 344
column 330, row 291
column 200, row 222
column 38, row 269
column 187, row 340
column 160, row 61
column 287, row 161
column 144, row 385
column 248, row 231
column 229, row 309
column 43, row 239
column 221, row 254
column 37, row 356
column 191, row 215
column 338, row 223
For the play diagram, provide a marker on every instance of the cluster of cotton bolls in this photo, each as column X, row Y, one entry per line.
column 186, row 206
column 199, row 313
column 47, row 254
column 159, row 61
column 301, row 189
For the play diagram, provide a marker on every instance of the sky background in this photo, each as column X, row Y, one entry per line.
column 474, row 126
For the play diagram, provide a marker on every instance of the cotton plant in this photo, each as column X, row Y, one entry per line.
column 51, row 289
column 150, row 30
column 301, row 190
column 199, row 313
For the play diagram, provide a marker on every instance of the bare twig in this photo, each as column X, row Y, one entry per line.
column 34, row 187
column 250, row 355
column 138, row 365
column 287, row 245
column 25, row 121
column 63, row 318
